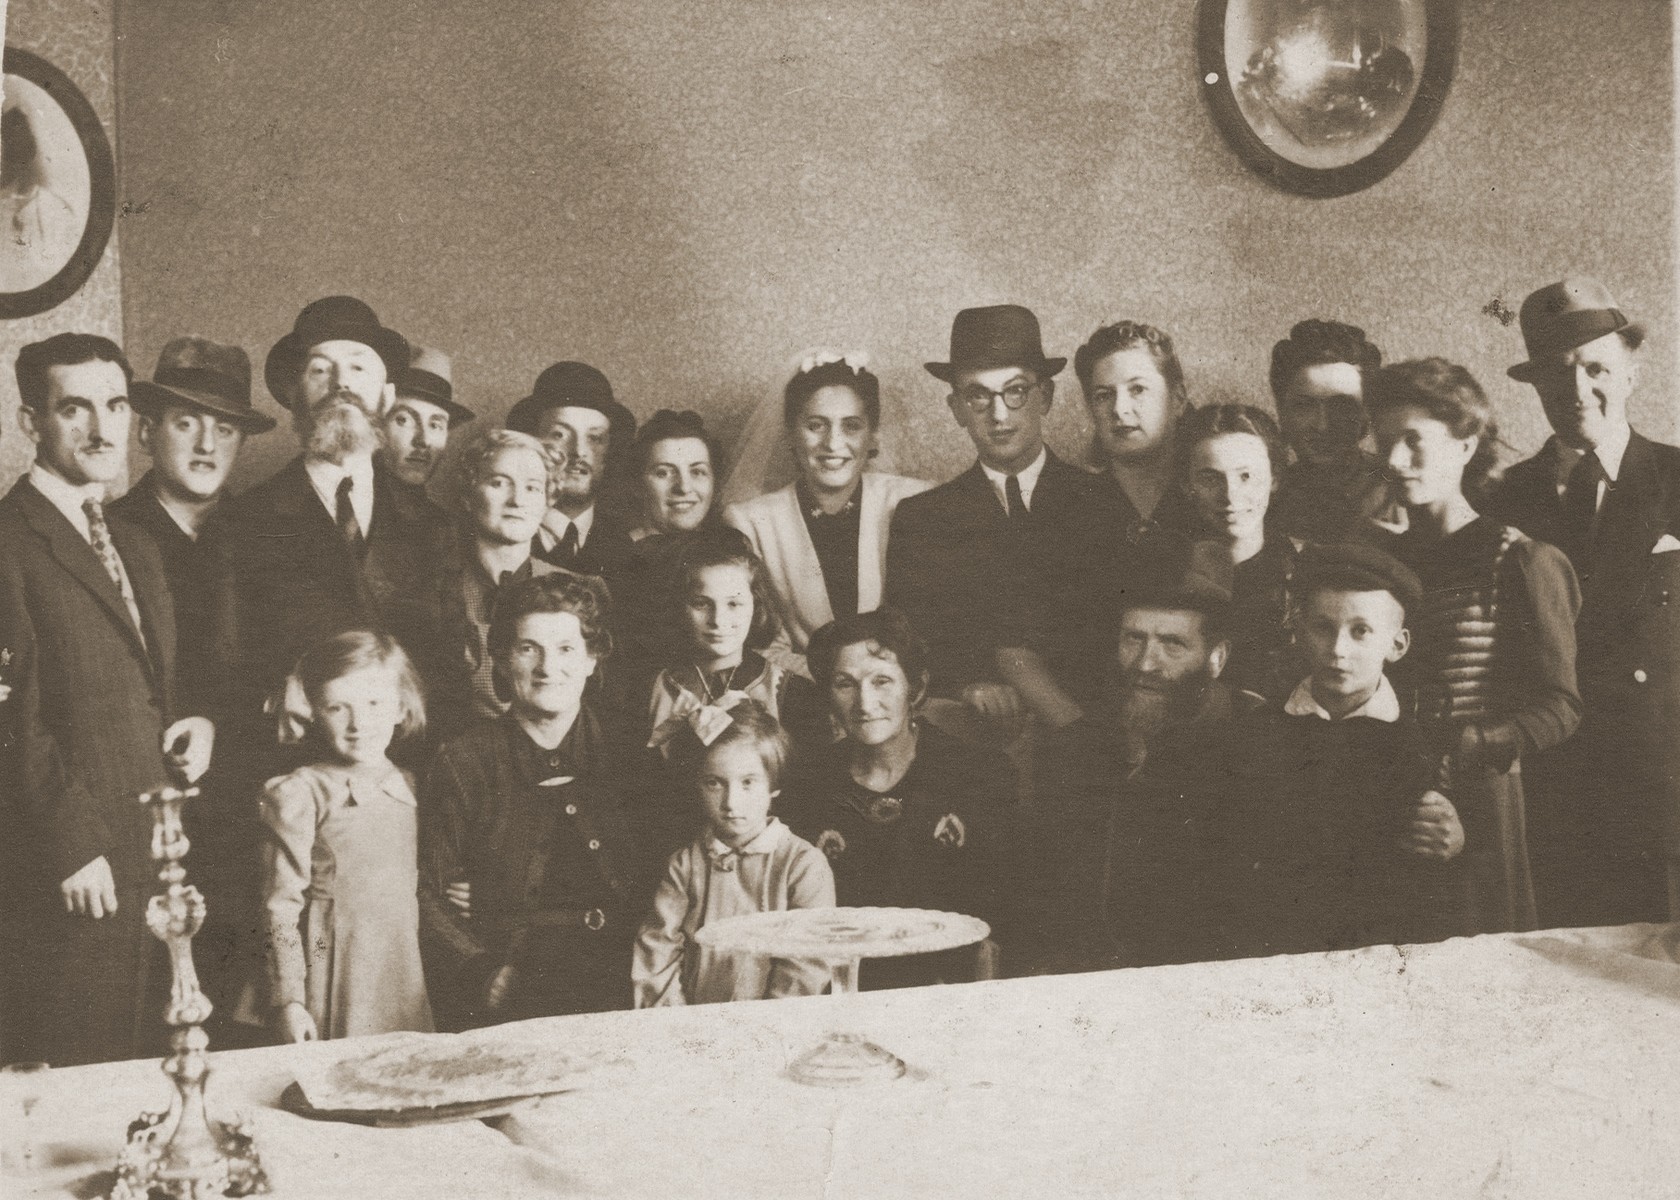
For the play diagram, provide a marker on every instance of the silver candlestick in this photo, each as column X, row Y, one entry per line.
column 181, row 1153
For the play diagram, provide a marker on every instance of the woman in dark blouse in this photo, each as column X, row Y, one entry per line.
column 1491, row 670
column 1229, row 458
column 531, row 880
column 675, row 461
column 908, row 816
column 823, row 538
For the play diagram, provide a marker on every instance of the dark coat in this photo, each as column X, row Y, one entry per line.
column 82, row 738
column 971, row 581
column 287, row 580
column 603, row 554
column 535, row 857
column 1617, row 783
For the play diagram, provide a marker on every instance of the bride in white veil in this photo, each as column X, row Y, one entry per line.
column 776, row 497
column 763, row 462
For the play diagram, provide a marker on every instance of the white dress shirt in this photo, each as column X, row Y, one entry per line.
column 1383, row 705
column 1027, row 476
column 324, row 476
column 552, row 531
column 68, row 499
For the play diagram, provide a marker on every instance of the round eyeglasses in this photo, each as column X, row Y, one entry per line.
column 979, row 399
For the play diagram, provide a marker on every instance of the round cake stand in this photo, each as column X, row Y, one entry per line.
column 841, row 938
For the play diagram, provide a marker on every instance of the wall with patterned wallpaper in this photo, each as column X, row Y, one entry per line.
column 687, row 194
column 78, row 37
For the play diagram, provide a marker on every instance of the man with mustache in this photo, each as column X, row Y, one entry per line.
column 419, row 422
column 1604, row 805
column 87, row 644
column 332, row 542
column 1164, row 676
column 572, row 411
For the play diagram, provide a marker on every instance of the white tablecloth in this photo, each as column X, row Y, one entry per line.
column 1529, row 1066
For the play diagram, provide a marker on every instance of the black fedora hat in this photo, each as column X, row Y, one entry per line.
column 1182, row 573
column 1003, row 335
column 332, row 319
column 574, row 385
column 430, row 376
column 1559, row 317
column 203, row 374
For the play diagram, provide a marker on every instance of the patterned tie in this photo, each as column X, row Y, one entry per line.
column 1580, row 505
column 347, row 523
column 99, row 537
column 1012, row 493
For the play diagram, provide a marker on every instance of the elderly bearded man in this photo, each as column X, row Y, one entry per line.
column 1163, row 678
column 332, row 542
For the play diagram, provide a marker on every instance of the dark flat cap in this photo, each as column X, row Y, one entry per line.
column 1356, row 566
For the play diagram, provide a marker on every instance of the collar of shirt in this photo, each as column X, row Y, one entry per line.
column 768, row 841
column 1028, row 477
column 1383, row 705
column 362, row 786
column 1610, row 453
column 66, row 496
column 324, row 477
column 554, row 522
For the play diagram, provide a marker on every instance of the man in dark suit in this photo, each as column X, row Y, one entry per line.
column 1610, row 499
column 195, row 414
column 87, row 639
column 571, row 410
column 332, row 542
column 996, row 561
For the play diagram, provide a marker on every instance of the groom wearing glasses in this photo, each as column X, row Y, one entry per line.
column 1008, row 545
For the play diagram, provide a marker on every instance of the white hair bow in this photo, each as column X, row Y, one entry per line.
column 857, row 360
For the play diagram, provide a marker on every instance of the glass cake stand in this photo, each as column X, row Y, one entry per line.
column 840, row 938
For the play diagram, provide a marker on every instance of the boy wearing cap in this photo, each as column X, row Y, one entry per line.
column 1605, row 806
column 1319, row 823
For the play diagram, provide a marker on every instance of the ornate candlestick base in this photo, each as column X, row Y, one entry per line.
column 180, row 1152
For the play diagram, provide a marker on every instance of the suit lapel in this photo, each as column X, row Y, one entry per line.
column 981, row 497
column 77, row 558
column 1629, row 524
column 151, row 595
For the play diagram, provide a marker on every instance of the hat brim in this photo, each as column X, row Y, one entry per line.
column 620, row 419
column 458, row 413
column 282, row 361
column 1048, row 367
column 1525, row 372
column 149, row 399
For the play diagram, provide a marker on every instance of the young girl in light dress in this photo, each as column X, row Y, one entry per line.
column 339, row 852
column 746, row 861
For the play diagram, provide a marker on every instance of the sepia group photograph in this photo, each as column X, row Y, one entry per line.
column 839, row 598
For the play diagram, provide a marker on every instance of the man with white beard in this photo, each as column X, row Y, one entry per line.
column 332, row 542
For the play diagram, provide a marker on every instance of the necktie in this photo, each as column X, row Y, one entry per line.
column 1012, row 493
column 347, row 523
column 99, row 537
column 1580, row 505
column 568, row 549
